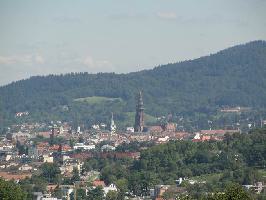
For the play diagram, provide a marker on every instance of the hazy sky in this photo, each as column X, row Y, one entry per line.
column 40, row 37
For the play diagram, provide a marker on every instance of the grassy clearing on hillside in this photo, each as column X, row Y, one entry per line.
column 96, row 100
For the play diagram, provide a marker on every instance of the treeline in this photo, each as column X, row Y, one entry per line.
column 235, row 76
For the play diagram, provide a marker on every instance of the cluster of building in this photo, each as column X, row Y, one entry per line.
column 26, row 147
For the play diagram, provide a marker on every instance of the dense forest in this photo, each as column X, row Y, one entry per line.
column 231, row 77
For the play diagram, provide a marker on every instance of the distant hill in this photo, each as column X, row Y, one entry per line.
column 234, row 76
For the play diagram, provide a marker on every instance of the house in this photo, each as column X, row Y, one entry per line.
column 69, row 165
column 161, row 140
column 25, row 167
column 97, row 183
column 6, row 147
column 107, row 148
column 42, row 147
column 48, row 158
column 95, row 127
column 57, row 147
column 82, row 146
column 8, row 164
column 111, row 187
column 8, row 157
column 207, row 136
column 130, row 129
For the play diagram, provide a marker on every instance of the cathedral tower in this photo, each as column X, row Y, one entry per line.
column 139, row 117
column 112, row 125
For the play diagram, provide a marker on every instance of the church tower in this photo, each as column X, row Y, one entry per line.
column 139, row 117
column 112, row 125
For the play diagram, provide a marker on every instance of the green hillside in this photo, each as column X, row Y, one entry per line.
column 96, row 100
column 232, row 77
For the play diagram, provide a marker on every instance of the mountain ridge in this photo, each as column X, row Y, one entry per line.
column 230, row 77
column 159, row 66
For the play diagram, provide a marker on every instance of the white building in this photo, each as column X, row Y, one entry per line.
column 96, row 126
column 130, row 129
column 107, row 147
column 83, row 146
column 197, row 136
column 25, row 167
column 111, row 187
column 163, row 139
column 48, row 159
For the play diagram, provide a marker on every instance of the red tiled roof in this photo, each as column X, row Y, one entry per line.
column 219, row 132
column 56, row 147
column 43, row 144
column 8, row 176
column 98, row 183
column 205, row 137
column 44, row 134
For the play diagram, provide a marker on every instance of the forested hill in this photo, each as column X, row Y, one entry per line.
column 234, row 76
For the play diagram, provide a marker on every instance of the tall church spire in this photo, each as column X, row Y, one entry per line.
column 139, row 117
column 112, row 125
